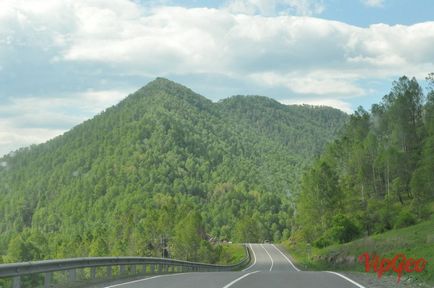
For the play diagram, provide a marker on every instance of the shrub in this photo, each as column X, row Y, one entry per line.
column 343, row 229
column 405, row 218
column 322, row 242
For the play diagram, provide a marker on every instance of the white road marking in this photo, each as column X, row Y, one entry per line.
column 146, row 279
column 272, row 262
column 348, row 279
column 287, row 259
column 238, row 279
column 254, row 257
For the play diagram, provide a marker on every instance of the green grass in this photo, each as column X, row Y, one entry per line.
column 231, row 254
column 415, row 241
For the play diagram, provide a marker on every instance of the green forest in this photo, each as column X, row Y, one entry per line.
column 377, row 175
column 167, row 166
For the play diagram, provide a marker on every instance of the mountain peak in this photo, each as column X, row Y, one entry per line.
column 167, row 85
column 161, row 86
column 162, row 81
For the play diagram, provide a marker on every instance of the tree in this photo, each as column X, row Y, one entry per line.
column 188, row 236
column 320, row 199
column 422, row 182
column 247, row 230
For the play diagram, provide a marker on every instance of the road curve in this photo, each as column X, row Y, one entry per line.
column 270, row 268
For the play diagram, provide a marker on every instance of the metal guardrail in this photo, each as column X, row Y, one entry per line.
column 149, row 265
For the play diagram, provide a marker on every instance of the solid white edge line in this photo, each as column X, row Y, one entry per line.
column 271, row 258
column 145, row 279
column 254, row 257
column 346, row 278
column 287, row 259
column 238, row 279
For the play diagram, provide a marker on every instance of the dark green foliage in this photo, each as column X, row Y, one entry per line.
column 377, row 175
column 163, row 160
column 405, row 218
column 343, row 229
column 323, row 241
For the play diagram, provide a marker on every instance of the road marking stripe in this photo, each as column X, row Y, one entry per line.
column 287, row 259
column 150, row 278
column 348, row 279
column 272, row 262
column 238, row 279
column 254, row 257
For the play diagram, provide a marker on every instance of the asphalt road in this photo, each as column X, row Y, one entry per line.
column 270, row 268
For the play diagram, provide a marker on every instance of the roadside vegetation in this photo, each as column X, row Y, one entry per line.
column 378, row 175
column 372, row 189
column 416, row 241
column 231, row 254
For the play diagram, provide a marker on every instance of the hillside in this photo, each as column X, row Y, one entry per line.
column 162, row 163
column 377, row 175
column 374, row 179
column 415, row 242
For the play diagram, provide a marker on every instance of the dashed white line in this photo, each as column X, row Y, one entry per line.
column 254, row 257
column 271, row 258
column 287, row 259
column 348, row 279
column 238, row 279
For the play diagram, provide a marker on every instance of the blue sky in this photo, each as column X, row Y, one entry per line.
column 355, row 12
column 63, row 61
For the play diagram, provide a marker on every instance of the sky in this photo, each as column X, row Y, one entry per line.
column 63, row 61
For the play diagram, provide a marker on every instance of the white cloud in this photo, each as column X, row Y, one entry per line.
column 319, row 83
column 176, row 40
column 306, row 7
column 202, row 40
column 273, row 7
column 373, row 3
column 247, row 41
column 338, row 104
column 96, row 101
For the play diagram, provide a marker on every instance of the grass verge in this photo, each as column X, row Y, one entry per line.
column 231, row 254
column 416, row 241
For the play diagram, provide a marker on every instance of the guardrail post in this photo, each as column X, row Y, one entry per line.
column 160, row 268
column 47, row 279
column 144, row 269
column 122, row 269
column 133, row 269
column 109, row 271
column 152, row 269
column 16, row 282
column 72, row 275
column 92, row 273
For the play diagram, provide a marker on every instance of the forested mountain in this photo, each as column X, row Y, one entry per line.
column 378, row 175
column 165, row 163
